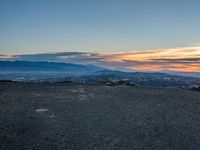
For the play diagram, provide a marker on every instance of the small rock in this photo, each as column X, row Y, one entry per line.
column 41, row 110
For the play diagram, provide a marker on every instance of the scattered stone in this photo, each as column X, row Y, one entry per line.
column 41, row 110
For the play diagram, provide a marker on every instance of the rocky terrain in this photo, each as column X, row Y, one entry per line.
column 70, row 116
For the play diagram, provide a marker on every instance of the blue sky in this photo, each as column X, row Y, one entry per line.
column 97, row 26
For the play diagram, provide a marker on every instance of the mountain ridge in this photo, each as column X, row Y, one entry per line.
column 27, row 66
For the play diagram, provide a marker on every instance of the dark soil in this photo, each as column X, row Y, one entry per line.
column 61, row 116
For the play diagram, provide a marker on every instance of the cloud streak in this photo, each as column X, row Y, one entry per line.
column 184, row 59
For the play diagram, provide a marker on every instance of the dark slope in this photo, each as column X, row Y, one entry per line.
column 23, row 66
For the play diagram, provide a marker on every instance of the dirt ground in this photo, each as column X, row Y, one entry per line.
column 58, row 116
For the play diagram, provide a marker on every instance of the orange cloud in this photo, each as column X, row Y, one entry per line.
column 186, row 59
column 186, row 52
column 173, row 67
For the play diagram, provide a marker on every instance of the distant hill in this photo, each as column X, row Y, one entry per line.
column 28, row 66
column 138, row 78
column 76, row 73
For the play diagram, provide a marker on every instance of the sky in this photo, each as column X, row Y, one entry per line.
column 137, row 34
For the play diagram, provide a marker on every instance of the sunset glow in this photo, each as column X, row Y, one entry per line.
column 184, row 59
column 181, row 59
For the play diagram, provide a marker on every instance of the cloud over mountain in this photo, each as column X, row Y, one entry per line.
column 183, row 59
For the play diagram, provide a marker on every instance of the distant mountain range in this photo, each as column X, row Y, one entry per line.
column 28, row 66
column 61, row 72
column 85, row 58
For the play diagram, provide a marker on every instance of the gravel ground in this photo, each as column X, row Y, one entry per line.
column 58, row 116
